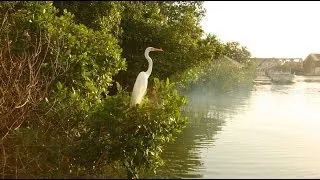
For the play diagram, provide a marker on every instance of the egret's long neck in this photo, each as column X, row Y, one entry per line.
column 146, row 54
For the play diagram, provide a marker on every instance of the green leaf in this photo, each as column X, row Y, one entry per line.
column 59, row 85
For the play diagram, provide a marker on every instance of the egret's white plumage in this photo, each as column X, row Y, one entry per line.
column 141, row 84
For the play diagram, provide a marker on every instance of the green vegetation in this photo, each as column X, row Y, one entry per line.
column 218, row 74
column 216, row 71
column 57, row 59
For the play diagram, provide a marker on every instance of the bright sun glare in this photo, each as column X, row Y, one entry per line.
column 267, row 28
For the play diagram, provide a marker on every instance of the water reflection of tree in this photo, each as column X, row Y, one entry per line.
column 207, row 111
column 281, row 88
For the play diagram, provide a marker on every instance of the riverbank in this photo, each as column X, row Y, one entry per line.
column 67, row 77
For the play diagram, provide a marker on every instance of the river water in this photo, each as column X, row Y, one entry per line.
column 270, row 131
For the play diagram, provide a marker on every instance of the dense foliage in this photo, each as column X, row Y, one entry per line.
column 237, row 52
column 58, row 58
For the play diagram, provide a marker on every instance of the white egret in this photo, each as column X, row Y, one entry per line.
column 141, row 84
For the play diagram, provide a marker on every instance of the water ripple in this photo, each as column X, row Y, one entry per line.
column 269, row 132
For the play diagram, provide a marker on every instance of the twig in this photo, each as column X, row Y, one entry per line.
column 17, row 107
column 4, row 159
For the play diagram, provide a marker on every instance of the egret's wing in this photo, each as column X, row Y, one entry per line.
column 139, row 88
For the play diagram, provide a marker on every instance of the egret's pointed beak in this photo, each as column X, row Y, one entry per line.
column 157, row 49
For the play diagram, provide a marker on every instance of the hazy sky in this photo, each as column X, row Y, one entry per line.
column 267, row 28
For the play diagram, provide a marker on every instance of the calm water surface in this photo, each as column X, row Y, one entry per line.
column 272, row 131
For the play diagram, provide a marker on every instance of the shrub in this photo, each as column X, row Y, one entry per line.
column 132, row 136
